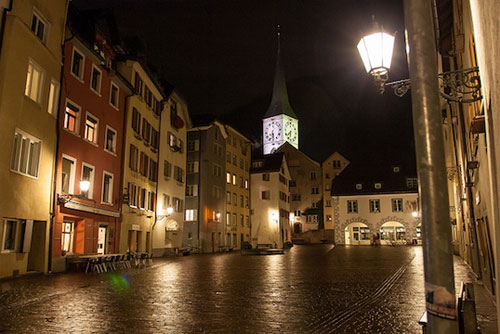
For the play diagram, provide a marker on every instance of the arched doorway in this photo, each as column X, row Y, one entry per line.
column 297, row 228
column 357, row 234
column 392, row 232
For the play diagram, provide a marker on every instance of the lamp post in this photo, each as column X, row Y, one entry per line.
column 438, row 256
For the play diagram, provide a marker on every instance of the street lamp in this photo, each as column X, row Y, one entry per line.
column 376, row 50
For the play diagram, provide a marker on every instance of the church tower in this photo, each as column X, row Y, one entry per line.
column 280, row 124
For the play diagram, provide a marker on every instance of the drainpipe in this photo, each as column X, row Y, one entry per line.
column 438, row 252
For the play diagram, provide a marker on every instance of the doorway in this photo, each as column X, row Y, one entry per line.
column 101, row 239
column 36, row 257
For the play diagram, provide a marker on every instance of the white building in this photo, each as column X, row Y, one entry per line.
column 370, row 199
column 270, row 200
column 175, row 121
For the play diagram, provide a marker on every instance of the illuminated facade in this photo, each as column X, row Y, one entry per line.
column 175, row 121
column 270, row 200
column 30, row 70
column 140, row 163
column 238, row 159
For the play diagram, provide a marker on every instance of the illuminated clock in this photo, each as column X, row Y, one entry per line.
column 290, row 131
column 272, row 131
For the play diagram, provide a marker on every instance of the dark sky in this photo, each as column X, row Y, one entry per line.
column 221, row 55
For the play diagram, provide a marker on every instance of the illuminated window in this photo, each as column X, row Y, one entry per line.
column 34, row 81
column 91, row 124
column 71, row 117
column 67, row 236
column 191, row 215
column 25, row 157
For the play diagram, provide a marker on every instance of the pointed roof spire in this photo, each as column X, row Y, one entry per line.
column 279, row 102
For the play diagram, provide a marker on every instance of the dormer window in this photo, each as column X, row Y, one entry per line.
column 378, row 185
column 359, row 186
column 395, row 169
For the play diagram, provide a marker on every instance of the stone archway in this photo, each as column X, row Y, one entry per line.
column 410, row 227
column 339, row 229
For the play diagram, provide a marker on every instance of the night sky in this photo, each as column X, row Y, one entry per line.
column 221, row 56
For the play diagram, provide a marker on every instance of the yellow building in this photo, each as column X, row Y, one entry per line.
column 330, row 168
column 140, row 163
column 238, row 159
column 30, row 70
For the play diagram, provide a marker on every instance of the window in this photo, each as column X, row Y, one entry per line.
column 336, row 164
column 167, row 169
column 228, row 197
column 153, row 170
column 146, row 131
column 191, row 215
column 247, row 220
column 297, row 213
column 246, row 202
column 313, row 175
column 193, row 167
column 242, row 201
column 34, row 81
column 77, row 64
column 241, row 163
column 156, row 106
column 242, row 220
column 378, row 185
column 314, row 205
column 228, row 157
column 328, row 203
column 148, row 96
column 234, row 179
column 314, row 190
column 142, row 198
column 397, row 205
column 9, row 236
column 216, row 192
column 228, row 218
column 292, row 183
column 177, row 204
column 68, row 175
column 241, row 182
column 110, row 144
column 266, row 195
column 181, row 146
column 178, row 174
column 172, row 140
column 327, row 186
column 246, row 183
column 134, row 158
column 138, row 84
column 359, row 186
column 411, row 182
column 395, row 169
column 217, row 170
column 71, row 117
column 296, row 197
column 53, row 97
column 352, row 206
column 257, row 164
column 228, row 177
column 107, row 188
column 87, row 175
column 95, row 79
column 327, row 176
column 166, row 201
column 136, row 121
column 91, row 124
column 217, row 149
column 233, row 220
column 328, row 218
column 67, row 236
column 132, row 195
column 151, row 200
column 113, row 95
column 266, row 177
column 374, row 206
column 154, row 138
column 234, row 160
column 235, row 199
column 193, row 145
column 311, row 219
column 39, row 26
column 143, row 164
column 25, row 157
column 192, row 190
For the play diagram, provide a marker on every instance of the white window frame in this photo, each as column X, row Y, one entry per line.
column 96, row 130
column 92, row 176
column 16, row 236
column 53, row 100
column 191, row 215
column 77, row 118
column 17, row 168
column 80, row 75
column 117, row 95
column 28, row 89
column 71, row 235
column 397, row 207
column 191, row 190
column 113, row 152
column 110, row 194
column 41, row 18
column 99, row 85
column 372, row 205
column 71, row 189
column 352, row 206
column 195, row 167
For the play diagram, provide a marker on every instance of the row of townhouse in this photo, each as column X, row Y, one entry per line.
column 85, row 130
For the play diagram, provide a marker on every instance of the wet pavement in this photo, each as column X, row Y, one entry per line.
column 310, row 289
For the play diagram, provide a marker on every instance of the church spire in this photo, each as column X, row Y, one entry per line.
column 279, row 102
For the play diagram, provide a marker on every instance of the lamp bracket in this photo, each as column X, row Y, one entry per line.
column 462, row 86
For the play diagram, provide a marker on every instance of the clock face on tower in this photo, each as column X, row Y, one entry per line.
column 290, row 131
column 272, row 131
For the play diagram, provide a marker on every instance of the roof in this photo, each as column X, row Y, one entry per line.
column 270, row 163
column 279, row 102
column 288, row 148
column 368, row 173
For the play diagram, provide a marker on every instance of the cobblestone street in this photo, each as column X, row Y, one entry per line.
column 317, row 289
